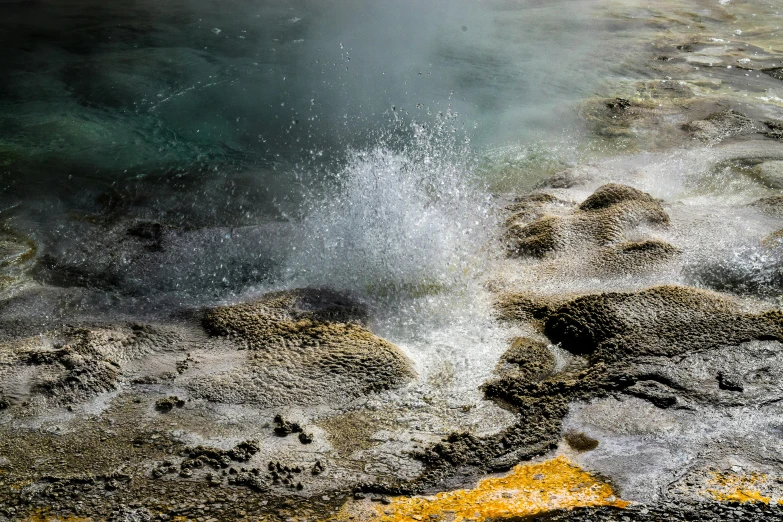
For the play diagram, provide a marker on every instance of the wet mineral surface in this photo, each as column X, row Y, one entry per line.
column 634, row 295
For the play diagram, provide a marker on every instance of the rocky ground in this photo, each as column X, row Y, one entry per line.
column 643, row 380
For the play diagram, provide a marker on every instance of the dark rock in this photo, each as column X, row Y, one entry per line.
column 665, row 320
column 217, row 458
column 169, row 403
column 580, row 442
column 214, row 480
column 730, row 382
column 775, row 72
column 654, row 392
column 618, row 104
column 243, row 451
column 285, row 428
column 775, row 130
column 163, row 469
column 251, row 480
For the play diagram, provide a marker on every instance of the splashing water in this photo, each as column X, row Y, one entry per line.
column 405, row 222
column 408, row 230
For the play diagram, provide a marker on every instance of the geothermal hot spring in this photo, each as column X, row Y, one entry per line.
column 391, row 260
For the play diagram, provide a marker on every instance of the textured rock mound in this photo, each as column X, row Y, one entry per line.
column 600, row 224
column 305, row 347
column 664, row 320
column 719, row 126
column 525, row 306
column 527, row 359
column 536, row 239
column 774, row 130
column 724, row 355
column 662, row 113
column 64, row 367
column 631, row 257
column 613, row 194
column 529, row 207
column 775, row 72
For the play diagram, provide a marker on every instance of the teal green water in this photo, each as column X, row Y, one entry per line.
column 226, row 124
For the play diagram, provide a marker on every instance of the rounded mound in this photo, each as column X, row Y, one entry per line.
column 613, row 193
column 665, row 320
column 306, row 346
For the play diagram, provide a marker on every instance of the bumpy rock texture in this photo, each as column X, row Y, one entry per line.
column 663, row 321
column 632, row 257
column 73, row 364
column 527, row 359
column 720, row 125
column 775, row 72
column 620, row 344
column 304, row 347
column 600, row 220
column 663, row 113
column 771, row 205
column 598, row 228
column 774, row 130
column 108, row 396
column 697, row 511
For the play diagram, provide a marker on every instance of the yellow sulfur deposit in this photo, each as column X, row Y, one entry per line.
column 529, row 489
column 728, row 487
